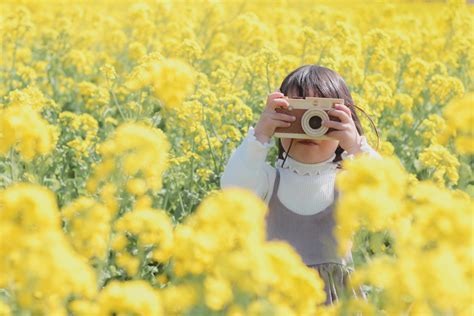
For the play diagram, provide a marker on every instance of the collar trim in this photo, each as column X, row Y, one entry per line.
column 308, row 168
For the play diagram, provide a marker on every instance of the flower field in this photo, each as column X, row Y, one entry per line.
column 118, row 117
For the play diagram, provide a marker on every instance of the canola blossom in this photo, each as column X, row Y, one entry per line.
column 117, row 119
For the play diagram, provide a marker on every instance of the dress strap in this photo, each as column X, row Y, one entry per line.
column 276, row 183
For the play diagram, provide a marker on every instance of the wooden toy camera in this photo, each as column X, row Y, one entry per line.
column 309, row 113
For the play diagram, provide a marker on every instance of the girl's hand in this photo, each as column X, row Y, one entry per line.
column 270, row 119
column 347, row 135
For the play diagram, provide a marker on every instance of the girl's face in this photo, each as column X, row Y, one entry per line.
column 318, row 151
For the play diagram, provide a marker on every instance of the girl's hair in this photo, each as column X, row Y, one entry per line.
column 324, row 83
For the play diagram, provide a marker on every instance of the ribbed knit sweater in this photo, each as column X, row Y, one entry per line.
column 304, row 188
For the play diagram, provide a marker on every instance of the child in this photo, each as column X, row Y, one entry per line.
column 300, row 191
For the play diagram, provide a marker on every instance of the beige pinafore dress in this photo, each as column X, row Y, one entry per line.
column 312, row 237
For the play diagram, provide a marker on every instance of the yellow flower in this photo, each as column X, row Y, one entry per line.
column 136, row 186
column 4, row 309
column 386, row 148
column 141, row 149
column 88, row 226
column 128, row 262
column 439, row 159
column 81, row 60
column 119, row 242
column 432, row 127
column 30, row 223
column 172, row 81
column 460, row 118
column 130, row 297
column 218, row 292
column 442, row 88
column 405, row 100
column 109, row 72
column 178, row 298
column 204, row 173
column 303, row 287
column 151, row 228
column 203, row 82
column 136, row 50
column 371, row 193
column 26, row 131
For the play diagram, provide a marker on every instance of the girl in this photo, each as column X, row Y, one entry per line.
column 300, row 191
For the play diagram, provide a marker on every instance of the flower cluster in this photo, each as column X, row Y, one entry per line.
column 129, row 113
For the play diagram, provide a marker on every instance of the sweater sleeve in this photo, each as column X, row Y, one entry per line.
column 247, row 166
column 364, row 147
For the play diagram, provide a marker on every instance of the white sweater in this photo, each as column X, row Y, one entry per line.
column 305, row 189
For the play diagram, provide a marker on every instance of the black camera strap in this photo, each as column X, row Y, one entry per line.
column 286, row 156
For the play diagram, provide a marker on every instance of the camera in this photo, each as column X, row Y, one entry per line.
column 309, row 113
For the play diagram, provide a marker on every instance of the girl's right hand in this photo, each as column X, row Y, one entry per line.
column 270, row 119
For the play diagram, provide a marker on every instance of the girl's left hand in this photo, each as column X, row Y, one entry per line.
column 347, row 135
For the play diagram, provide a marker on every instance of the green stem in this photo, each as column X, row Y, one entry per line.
column 366, row 67
column 321, row 53
column 103, row 264
column 303, row 53
column 193, row 146
column 268, row 79
column 141, row 257
column 119, row 107
column 181, row 203
column 12, row 165
column 10, row 83
column 209, row 143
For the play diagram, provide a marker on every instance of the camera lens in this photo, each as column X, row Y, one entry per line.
column 315, row 122
column 311, row 122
